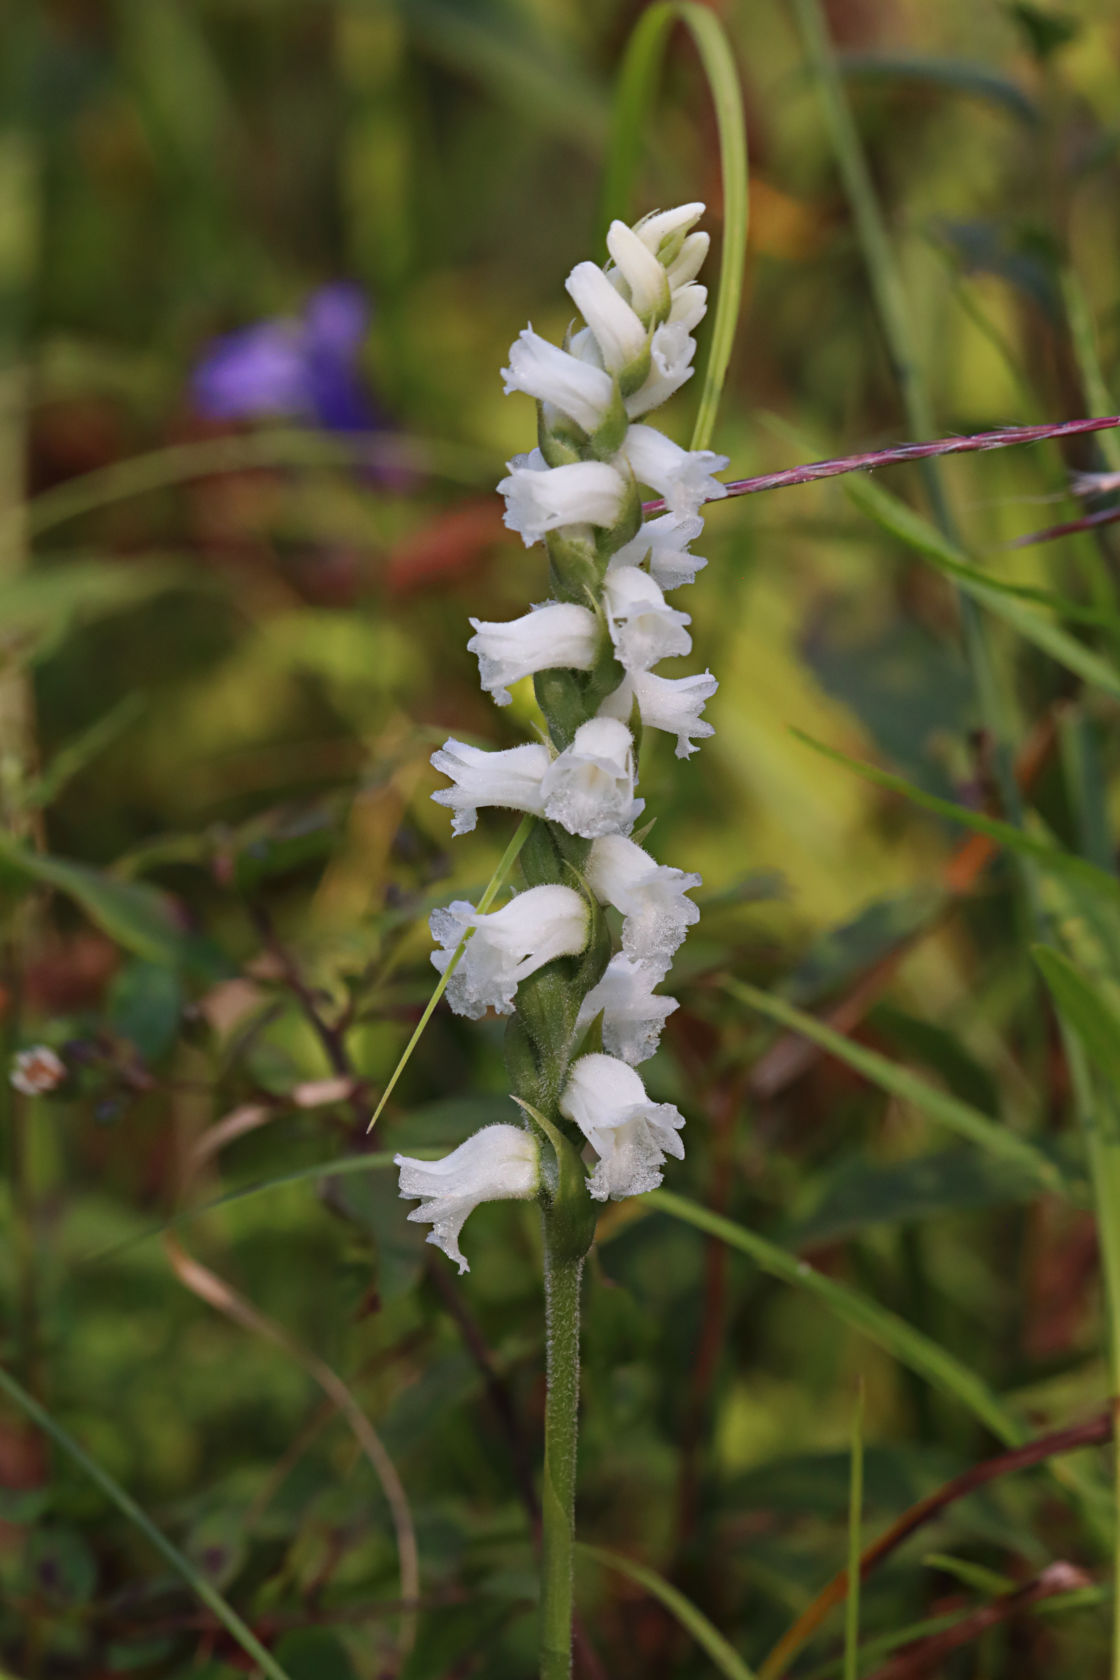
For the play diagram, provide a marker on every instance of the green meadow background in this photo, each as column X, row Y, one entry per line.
column 227, row 651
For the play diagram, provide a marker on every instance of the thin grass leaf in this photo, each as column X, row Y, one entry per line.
column 128, row 1507
column 634, row 101
column 682, row 1609
column 953, row 74
column 508, row 859
column 1005, row 601
column 945, row 1110
column 1084, row 1008
column 1051, row 857
column 941, row 1369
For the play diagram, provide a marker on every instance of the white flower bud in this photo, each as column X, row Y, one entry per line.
column 511, row 779
column 632, row 1016
column 541, row 498
column 671, row 352
column 639, row 267
column 688, row 262
column 649, row 895
column 643, row 627
column 631, row 1135
column 507, row 945
column 653, row 230
column 665, row 540
column 618, row 330
column 500, row 1163
column 689, row 304
column 589, row 788
column 674, row 704
column 542, row 370
column 682, row 476
column 559, row 635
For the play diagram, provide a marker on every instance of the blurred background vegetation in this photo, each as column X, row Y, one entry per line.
column 232, row 631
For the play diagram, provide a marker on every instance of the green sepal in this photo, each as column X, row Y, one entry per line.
column 561, row 696
column 560, row 440
column 572, row 1215
column 574, row 557
column 634, row 375
column 607, row 438
column 625, row 528
column 550, row 853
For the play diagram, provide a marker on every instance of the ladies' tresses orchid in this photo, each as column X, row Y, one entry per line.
column 631, row 1135
column 557, row 636
column 650, row 896
column 632, row 1016
column 511, row 779
column 540, row 498
column 507, row 945
column 589, row 789
column 500, row 1163
column 546, row 956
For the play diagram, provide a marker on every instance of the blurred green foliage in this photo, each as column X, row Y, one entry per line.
column 228, row 651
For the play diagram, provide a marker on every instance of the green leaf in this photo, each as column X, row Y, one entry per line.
column 128, row 1507
column 145, row 1006
column 940, row 1368
column 1084, row 1008
column 70, row 760
column 692, row 1619
column 938, row 1106
column 130, row 912
column 636, row 85
column 1051, row 857
column 315, row 1654
column 1044, row 30
column 1004, row 600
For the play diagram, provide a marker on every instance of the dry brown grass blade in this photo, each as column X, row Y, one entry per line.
column 1095, row 1432
column 212, row 1289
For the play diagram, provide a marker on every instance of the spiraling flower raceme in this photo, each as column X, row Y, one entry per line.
column 500, row 1163
column 631, row 1135
column 506, row 945
column 592, row 651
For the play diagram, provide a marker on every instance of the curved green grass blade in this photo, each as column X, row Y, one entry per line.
column 508, row 859
column 945, row 1110
column 128, row 1507
column 1092, row 1018
column 941, row 1369
column 855, row 1546
column 694, row 1621
column 637, row 84
column 1005, row 601
column 1042, row 852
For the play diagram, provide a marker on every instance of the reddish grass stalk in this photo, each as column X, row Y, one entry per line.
column 899, row 453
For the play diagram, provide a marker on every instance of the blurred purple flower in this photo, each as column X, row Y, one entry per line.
column 306, row 368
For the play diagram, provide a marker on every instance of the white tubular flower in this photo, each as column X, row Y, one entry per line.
column 682, row 476
column 618, row 330
column 511, row 779
column 632, row 1016
column 665, row 540
column 557, row 635
column 650, row 896
column 653, row 230
column 643, row 627
column 631, row 1135
column 542, row 370
column 540, row 498
column 507, row 945
column 589, row 788
column 674, row 704
column 500, row 1163
column 671, row 352
column 639, row 267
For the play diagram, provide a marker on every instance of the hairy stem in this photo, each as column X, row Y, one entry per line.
column 561, row 1293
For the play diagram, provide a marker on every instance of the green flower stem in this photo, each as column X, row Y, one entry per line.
column 562, row 1276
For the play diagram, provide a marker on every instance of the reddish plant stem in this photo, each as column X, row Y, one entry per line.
column 899, row 453
column 1087, row 522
